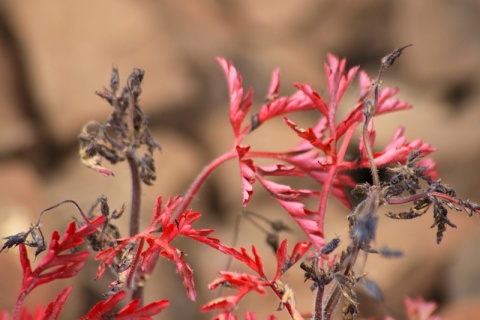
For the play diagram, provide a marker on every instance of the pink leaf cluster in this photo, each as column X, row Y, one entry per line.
column 321, row 153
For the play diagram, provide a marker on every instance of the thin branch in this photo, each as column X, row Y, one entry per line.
column 200, row 180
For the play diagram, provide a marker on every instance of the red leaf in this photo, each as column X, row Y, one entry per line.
column 398, row 150
column 184, row 270
column 56, row 264
column 285, row 105
column 241, row 281
column 284, row 262
column 386, row 103
column 162, row 216
column 225, row 315
column 104, row 307
column 228, row 302
column 337, row 81
column 307, row 220
column 355, row 116
column 281, row 259
column 247, row 171
column 255, row 263
column 274, row 84
column 258, row 262
column 160, row 245
column 55, row 307
column 280, row 169
column 314, row 97
column 285, row 192
column 130, row 311
column 309, row 135
column 239, row 104
column 315, row 167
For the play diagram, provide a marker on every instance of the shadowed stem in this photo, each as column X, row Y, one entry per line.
column 135, row 212
column 136, row 195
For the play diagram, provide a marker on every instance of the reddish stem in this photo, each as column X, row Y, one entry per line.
column 200, row 180
column 27, row 282
column 322, row 208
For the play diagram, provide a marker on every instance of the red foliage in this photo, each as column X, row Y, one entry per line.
column 130, row 311
column 320, row 155
column 56, row 264
column 160, row 245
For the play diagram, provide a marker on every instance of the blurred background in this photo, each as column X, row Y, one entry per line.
column 54, row 55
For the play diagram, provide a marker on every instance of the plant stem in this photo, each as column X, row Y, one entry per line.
column 318, row 315
column 199, row 180
column 135, row 200
column 135, row 212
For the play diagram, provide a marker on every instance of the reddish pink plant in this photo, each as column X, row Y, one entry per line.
column 320, row 155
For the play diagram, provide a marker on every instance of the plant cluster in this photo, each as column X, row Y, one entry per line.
column 320, row 155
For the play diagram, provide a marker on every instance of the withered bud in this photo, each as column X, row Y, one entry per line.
column 389, row 59
column 114, row 79
column 15, row 240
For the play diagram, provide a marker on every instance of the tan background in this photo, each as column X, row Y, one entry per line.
column 55, row 54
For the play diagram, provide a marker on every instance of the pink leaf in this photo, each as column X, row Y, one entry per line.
column 285, row 105
column 420, row 309
column 314, row 97
column 247, row 171
column 309, row 135
column 239, row 104
column 285, row 192
column 336, row 80
column 307, row 221
column 398, row 150
column 274, row 85
column 316, row 167
column 280, row 169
